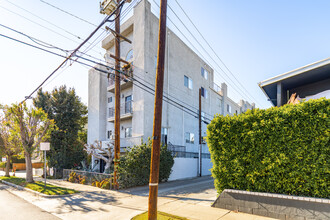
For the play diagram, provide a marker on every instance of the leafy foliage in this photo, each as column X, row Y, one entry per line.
column 69, row 114
column 134, row 166
column 31, row 126
column 279, row 150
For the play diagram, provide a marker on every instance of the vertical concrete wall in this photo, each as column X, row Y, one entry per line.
column 97, row 99
column 187, row 168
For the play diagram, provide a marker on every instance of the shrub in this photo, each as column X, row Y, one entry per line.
column 3, row 164
column 279, row 150
column 18, row 159
column 134, row 166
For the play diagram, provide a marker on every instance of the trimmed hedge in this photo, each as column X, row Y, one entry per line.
column 282, row 150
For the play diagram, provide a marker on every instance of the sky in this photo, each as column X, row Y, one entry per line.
column 254, row 39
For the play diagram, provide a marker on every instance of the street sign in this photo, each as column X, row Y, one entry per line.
column 4, row 159
column 44, row 146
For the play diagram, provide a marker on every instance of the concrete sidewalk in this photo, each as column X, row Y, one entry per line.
column 186, row 198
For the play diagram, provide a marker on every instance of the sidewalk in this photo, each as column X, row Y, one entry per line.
column 96, row 203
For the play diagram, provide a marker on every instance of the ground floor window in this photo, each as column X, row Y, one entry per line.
column 190, row 137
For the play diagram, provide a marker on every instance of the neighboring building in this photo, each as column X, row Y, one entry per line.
column 185, row 73
column 307, row 82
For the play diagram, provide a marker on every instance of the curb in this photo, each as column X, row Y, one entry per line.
column 35, row 192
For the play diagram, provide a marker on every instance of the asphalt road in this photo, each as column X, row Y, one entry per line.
column 15, row 208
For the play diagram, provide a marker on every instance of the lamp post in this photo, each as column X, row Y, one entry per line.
column 45, row 146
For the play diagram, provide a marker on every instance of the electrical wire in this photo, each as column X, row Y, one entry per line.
column 75, row 50
column 74, row 35
column 146, row 88
column 214, row 50
column 238, row 88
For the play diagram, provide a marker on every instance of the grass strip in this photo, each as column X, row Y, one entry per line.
column 39, row 186
column 160, row 216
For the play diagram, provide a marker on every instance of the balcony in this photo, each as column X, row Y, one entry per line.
column 124, row 143
column 126, row 112
column 125, row 82
column 217, row 88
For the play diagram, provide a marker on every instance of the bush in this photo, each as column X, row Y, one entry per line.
column 18, row 159
column 279, row 150
column 134, row 166
column 3, row 164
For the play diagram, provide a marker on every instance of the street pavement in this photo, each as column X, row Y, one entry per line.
column 16, row 208
column 191, row 198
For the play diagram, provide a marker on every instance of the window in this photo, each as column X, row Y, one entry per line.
column 164, row 136
column 109, row 133
column 128, row 132
column 204, row 92
column 228, row 108
column 129, row 56
column 190, row 137
column 204, row 73
column 128, row 104
column 188, row 82
column 109, row 99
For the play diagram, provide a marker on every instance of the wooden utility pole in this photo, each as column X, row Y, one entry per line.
column 117, row 98
column 200, row 131
column 155, row 154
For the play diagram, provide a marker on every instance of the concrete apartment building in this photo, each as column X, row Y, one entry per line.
column 185, row 73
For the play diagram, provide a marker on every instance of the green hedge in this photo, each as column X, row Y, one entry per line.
column 134, row 166
column 278, row 150
column 18, row 159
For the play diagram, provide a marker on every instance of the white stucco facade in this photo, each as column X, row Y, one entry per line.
column 182, row 80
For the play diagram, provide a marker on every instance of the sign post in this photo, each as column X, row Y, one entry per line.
column 45, row 146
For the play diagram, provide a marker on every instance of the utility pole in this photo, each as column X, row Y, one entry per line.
column 200, row 131
column 117, row 98
column 155, row 153
column 107, row 7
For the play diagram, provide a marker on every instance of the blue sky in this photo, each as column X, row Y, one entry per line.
column 256, row 40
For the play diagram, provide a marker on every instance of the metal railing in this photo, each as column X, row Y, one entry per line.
column 216, row 88
column 180, row 151
column 86, row 177
column 125, row 108
column 182, row 154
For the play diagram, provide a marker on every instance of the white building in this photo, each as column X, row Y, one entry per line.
column 185, row 72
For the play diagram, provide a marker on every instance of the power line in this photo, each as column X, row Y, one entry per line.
column 41, row 25
column 213, row 50
column 241, row 93
column 199, row 53
column 75, row 50
column 74, row 35
column 151, row 90
column 66, row 12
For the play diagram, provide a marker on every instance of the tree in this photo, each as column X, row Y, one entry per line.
column 9, row 144
column 70, row 116
column 32, row 126
column 97, row 151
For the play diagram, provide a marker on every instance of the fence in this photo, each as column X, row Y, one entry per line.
column 125, row 108
column 89, row 177
column 180, row 151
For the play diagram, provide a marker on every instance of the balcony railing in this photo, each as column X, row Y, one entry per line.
column 125, row 109
column 217, row 88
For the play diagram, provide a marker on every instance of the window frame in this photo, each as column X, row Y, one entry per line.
column 187, row 82
column 128, row 132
